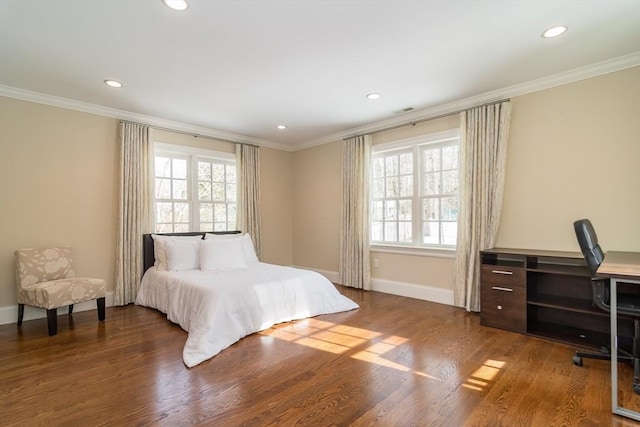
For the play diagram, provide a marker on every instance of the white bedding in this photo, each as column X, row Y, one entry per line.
column 219, row 308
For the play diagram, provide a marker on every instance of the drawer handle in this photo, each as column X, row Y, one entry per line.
column 500, row 288
column 508, row 273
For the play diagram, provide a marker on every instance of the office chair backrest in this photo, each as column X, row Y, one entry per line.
column 588, row 241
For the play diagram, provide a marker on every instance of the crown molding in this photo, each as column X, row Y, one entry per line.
column 577, row 74
column 594, row 70
column 70, row 104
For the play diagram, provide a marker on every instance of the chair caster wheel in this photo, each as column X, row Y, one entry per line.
column 636, row 388
column 577, row 360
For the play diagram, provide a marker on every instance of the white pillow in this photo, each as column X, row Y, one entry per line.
column 248, row 249
column 182, row 254
column 222, row 255
column 159, row 250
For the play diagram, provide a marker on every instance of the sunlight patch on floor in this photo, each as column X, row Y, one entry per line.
column 484, row 375
column 338, row 339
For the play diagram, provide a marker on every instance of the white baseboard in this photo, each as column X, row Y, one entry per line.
column 9, row 314
column 423, row 292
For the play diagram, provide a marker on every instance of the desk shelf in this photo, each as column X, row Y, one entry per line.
column 557, row 300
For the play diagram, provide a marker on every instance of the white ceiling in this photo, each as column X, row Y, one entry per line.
column 238, row 68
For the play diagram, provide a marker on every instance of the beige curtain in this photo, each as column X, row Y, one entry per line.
column 354, row 241
column 484, row 136
column 135, row 209
column 248, row 163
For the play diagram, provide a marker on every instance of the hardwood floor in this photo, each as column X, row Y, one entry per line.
column 394, row 362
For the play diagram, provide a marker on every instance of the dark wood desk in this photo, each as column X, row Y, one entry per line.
column 619, row 267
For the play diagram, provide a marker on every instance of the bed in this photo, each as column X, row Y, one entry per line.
column 231, row 294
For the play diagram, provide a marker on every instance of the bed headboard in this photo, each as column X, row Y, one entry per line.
column 148, row 253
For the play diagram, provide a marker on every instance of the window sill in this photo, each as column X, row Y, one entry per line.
column 415, row 251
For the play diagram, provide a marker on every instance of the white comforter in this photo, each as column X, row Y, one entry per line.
column 218, row 309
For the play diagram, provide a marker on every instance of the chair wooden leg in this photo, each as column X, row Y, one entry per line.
column 20, row 313
column 52, row 321
column 70, row 308
column 101, row 311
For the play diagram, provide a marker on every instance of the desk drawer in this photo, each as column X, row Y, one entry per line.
column 499, row 275
column 504, row 307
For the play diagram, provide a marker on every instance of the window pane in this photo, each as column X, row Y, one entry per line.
column 449, row 233
column 220, row 226
column 231, row 215
column 163, row 188
column 404, row 232
column 390, row 232
column 390, row 210
column 204, row 171
column 378, row 188
column 181, row 228
column 376, row 210
column 164, row 228
column 404, row 210
column 206, row 226
column 231, row 192
column 431, row 159
column 231, row 173
column 180, row 189
column 376, row 231
column 217, row 172
column 163, row 167
column 217, row 191
column 450, row 157
column 378, row 167
column 430, row 233
column 206, row 212
column 204, row 191
column 432, row 183
column 406, row 186
column 164, row 212
column 406, row 163
column 220, row 212
column 231, row 225
column 450, row 182
column 181, row 213
column 449, row 208
column 392, row 187
column 391, row 164
column 430, row 209
column 180, row 168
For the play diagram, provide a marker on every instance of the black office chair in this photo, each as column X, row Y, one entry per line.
column 627, row 305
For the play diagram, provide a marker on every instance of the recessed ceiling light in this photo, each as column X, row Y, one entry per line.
column 176, row 4
column 373, row 96
column 554, row 31
column 281, row 127
column 112, row 83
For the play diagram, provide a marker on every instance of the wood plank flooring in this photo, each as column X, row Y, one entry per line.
column 394, row 362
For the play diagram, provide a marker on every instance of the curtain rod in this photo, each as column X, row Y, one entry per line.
column 428, row 119
column 195, row 135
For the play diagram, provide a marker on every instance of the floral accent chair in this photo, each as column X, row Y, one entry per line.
column 45, row 279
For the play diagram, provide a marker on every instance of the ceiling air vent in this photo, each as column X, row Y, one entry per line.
column 404, row 110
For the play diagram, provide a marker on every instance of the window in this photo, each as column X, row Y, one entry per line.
column 414, row 192
column 195, row 190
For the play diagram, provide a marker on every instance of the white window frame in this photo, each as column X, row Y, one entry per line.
column 192, row 155
column 416, row 144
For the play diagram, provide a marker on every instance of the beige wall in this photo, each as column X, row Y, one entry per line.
column 574, row 152
column 317, row 198
column 59, row 184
